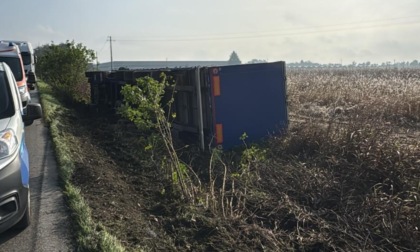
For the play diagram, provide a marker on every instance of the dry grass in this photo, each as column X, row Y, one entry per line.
column 346, row 177
column 388, row 95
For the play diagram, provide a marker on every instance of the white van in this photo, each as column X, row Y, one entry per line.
column 15, row 201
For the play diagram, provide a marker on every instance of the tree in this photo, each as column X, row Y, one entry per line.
column 234, row 59
column 255, row 61
column 63, row 66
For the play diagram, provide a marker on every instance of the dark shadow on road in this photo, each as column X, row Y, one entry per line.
column 9, row 234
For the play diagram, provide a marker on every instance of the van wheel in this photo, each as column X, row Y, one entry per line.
column 26, row 219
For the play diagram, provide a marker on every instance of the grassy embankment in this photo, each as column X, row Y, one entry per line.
column 90, row 235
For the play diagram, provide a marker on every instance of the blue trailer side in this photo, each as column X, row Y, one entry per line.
column 248, row 99
column 214, row 106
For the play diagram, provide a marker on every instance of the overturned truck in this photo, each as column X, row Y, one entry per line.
column 213, row 105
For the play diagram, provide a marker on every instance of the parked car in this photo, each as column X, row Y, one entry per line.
column 15, row 207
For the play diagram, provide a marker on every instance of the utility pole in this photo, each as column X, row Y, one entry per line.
column 110, row 48
column 97, row 61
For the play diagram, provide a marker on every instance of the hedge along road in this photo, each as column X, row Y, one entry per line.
column 50, row 221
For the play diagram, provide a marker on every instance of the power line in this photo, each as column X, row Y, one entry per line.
column 106, row 41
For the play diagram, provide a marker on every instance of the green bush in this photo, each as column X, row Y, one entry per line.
column 63, row 66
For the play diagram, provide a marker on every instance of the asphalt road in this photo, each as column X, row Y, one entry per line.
column 50, row 224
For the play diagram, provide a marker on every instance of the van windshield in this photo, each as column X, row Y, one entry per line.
column 26, row 58
column 14, row 64
column 6, row 105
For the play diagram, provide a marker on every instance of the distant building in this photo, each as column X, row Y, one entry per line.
column 158, row 64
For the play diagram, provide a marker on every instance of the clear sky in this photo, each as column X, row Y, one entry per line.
column 324, row 31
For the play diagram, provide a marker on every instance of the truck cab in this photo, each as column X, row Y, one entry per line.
column 10, row 54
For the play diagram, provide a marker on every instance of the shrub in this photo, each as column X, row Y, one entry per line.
column 63, row 66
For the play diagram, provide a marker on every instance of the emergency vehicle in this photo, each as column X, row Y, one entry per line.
column 28, row 57
column 10, row 54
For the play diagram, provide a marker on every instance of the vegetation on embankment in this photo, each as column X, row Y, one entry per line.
column 90, row 235
column 63, row 67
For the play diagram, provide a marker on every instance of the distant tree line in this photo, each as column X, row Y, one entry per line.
column 234, row 59
column 354, row 64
